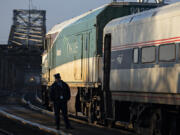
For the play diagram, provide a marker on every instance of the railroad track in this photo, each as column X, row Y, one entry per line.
column 24, row 120
column 4, row 132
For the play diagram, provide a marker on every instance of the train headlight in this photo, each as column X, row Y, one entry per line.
column 32, row 79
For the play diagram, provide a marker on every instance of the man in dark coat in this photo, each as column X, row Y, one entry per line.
column 60, row 94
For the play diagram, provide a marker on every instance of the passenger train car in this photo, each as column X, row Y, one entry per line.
column 121, row 71
column 142, row 66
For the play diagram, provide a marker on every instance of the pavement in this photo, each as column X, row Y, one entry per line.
column 31, row 116
column 17, row 118
column 34, row 102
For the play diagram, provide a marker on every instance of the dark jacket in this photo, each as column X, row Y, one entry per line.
column 60, row 92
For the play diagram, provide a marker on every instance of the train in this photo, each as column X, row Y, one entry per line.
column 122, row 67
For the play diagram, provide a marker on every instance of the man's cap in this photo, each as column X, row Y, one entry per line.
column 57, row 76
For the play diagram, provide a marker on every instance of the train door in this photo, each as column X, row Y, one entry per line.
column 78, row 58
column 49, row 65
column 107, row 60
column 106, row 78
column 85, row 56
column 49, row 57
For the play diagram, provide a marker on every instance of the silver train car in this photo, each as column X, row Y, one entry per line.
column 142, row 66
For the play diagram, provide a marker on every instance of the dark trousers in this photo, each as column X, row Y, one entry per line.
column 63, row 107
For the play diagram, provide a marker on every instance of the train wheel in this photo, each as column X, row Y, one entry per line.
column 171, row 125
column 90, row 113
column 150, row 124
column 156, row 123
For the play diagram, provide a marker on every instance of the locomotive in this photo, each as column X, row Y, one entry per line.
column 120, row 69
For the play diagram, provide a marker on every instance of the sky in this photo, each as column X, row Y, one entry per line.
column 56, row 11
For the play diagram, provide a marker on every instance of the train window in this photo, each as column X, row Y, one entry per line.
column 167, row 52
column 148, row 54
column 135, row 55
